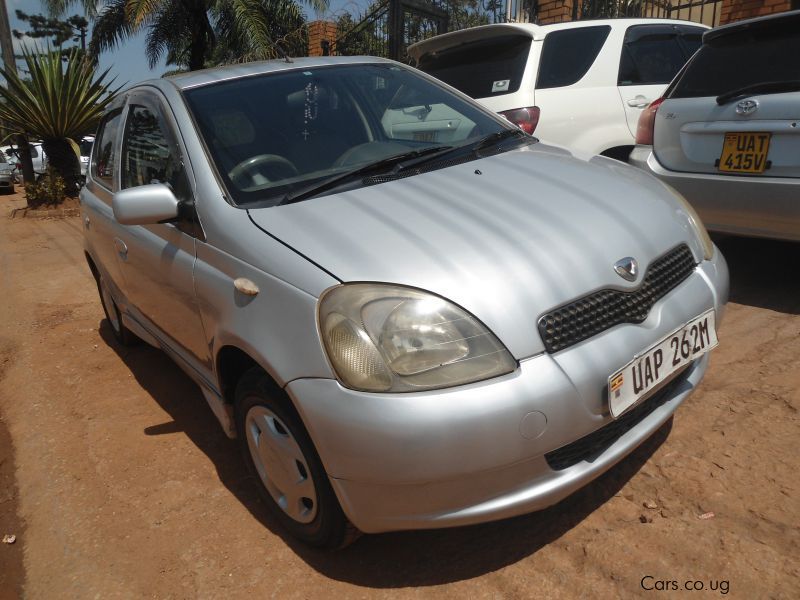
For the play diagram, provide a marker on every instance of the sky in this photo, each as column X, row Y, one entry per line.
column 128, row 63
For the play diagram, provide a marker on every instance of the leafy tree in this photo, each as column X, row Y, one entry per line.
column 72, row 29
column 194, row 34
column 59, row 104
column 355, row 37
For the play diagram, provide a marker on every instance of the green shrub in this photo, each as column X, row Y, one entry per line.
column 48, row 190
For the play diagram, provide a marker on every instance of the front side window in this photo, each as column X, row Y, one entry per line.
column 274, row 134
column 653, row 54
column 567, row 55
column 149, row 155
column 104, row 159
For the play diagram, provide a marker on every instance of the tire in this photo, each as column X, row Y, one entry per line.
column 285, row 465
column 121, row 333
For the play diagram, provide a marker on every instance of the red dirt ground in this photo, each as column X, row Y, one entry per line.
column 121, row 484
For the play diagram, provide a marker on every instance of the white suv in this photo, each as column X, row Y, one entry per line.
column 581, row 85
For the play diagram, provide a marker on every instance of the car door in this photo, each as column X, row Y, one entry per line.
column 157, row 261
column 651, row 57
column 96, row 214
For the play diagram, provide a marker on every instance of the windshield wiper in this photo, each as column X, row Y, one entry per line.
column 764, row 87
column 494, row 138
column 378, row 165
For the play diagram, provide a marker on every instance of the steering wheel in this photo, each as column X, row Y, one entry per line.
column 250, row 166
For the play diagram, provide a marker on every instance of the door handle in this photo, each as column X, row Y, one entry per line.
column 87, row 222
column 638, row 102
column 122, row 249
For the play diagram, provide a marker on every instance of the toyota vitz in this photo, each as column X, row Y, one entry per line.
column 411, row 313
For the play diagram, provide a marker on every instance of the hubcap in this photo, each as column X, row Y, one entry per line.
column 108, row 303
column 280, row 464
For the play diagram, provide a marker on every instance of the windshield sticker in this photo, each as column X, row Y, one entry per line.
column 500, row 86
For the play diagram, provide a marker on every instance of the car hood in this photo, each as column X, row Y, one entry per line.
column 506, row 237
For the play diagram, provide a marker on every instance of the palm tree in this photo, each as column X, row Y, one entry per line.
column 195, row 33
column 59, row 104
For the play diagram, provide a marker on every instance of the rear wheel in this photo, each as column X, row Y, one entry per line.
column 123, row 335
column 288, row 472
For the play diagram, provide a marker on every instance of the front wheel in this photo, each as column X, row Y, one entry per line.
column 122, row 334
column 281, row 457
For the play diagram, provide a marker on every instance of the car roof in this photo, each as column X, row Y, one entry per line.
column 193, row 79
column 790, row 19
column 536, row 32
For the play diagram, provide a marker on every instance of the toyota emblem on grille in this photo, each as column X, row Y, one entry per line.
column 746, row 107
column 627, row 268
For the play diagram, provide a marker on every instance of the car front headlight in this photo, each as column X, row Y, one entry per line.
column 695, row 223
column 386, row 338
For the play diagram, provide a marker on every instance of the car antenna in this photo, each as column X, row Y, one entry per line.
column 283, row 54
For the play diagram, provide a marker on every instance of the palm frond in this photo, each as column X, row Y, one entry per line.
column 58, row 101
column 111, row 28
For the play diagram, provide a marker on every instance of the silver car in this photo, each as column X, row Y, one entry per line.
column 411, row 313
column 6, row 175
column 725, row 134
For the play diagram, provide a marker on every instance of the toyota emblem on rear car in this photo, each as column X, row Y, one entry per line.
column 746, row 107
column 627, row 268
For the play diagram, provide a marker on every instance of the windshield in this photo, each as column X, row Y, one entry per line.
column 86, row 147
column 272, row 134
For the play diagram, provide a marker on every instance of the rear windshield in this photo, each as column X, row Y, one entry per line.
column 567, row 55
column 481, row 69
column 739, row 60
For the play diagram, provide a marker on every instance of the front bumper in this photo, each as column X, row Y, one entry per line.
column 741, row 205
column 477, row 452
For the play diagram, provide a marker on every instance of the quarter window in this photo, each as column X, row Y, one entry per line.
column 567, row 55
column 149, row 154
column 104, row 159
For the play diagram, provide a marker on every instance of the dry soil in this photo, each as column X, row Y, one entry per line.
column 118, row 483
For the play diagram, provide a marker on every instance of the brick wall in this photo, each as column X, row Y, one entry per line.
column 319, row 32
column 554, row 11
column 736, row 10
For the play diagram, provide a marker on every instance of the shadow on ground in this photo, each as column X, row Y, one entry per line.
column 419, row 558
column 764, row 273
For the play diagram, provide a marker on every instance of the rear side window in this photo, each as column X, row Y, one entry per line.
column 653, row 54
column 104, row 159
column 568, row 55
column 739, row 60
column 481, row 69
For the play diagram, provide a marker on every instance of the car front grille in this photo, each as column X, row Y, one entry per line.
column 585, row 317
column 593, row 445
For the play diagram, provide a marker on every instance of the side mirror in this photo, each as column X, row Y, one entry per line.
column 145, row 205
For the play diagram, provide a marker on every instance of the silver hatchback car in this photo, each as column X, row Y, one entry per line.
column 411, row 313
column 725, row 134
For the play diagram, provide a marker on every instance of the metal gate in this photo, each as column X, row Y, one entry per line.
column 699, row 11
column 391, row 27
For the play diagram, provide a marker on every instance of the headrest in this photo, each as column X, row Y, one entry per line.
column 232, row 128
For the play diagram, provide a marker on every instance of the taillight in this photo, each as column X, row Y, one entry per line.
column 647, row 123
column 525, row 118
